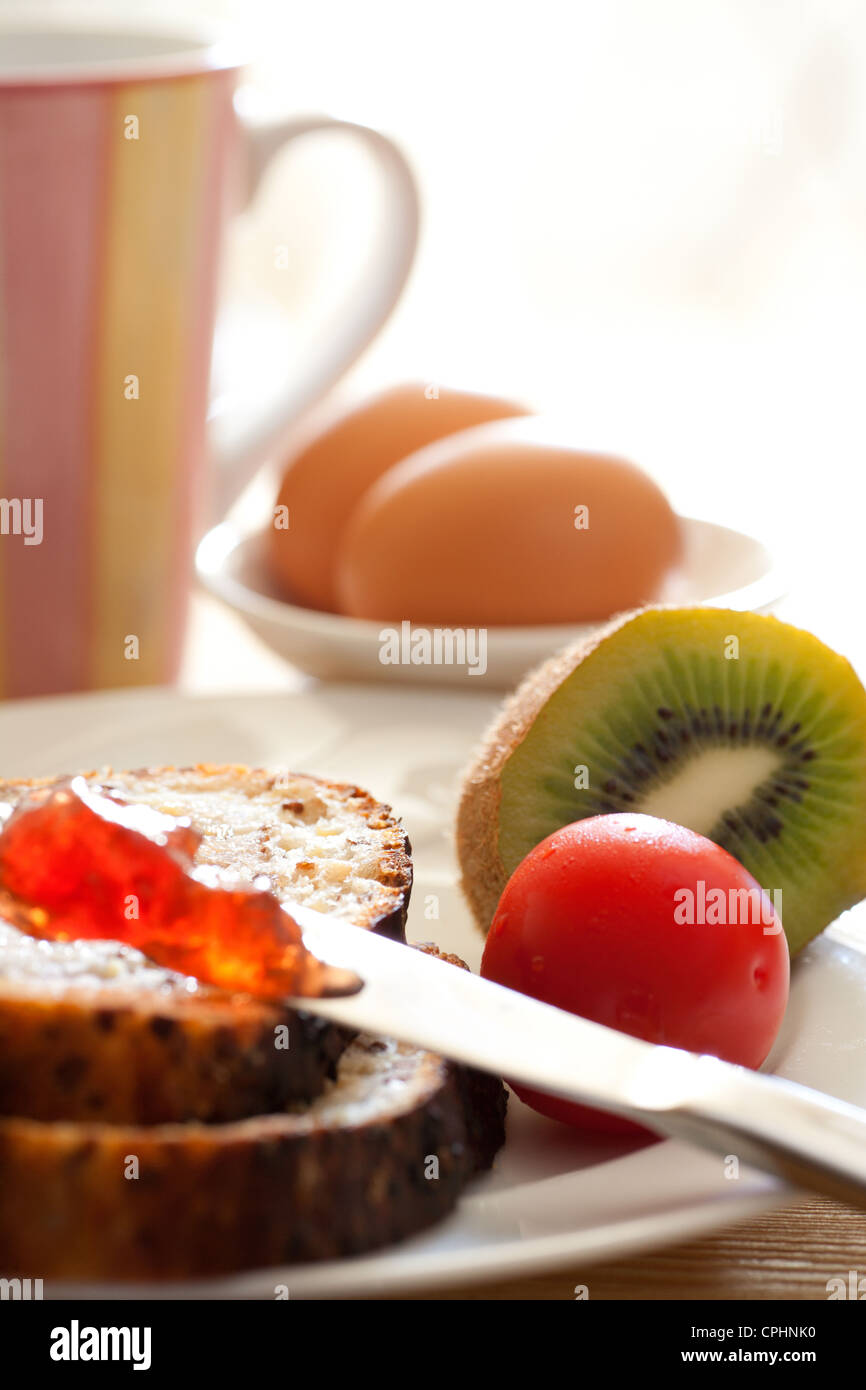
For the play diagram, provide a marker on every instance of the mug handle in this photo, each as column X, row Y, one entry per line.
column 247, row 442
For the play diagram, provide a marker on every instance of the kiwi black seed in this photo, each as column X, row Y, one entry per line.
column 760, row 744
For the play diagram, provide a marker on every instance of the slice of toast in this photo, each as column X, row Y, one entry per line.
column 384, row 1152
column 91, row 1030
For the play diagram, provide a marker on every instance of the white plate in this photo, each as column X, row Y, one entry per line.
column 726, row 568
column 554, row 1198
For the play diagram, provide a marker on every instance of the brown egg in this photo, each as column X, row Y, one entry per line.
column 323, row 484
column 507, row 524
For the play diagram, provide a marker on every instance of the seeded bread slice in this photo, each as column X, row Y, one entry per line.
column 92, row 1030
column 383, row 1153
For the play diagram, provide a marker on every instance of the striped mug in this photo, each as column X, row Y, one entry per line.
column 121, row 147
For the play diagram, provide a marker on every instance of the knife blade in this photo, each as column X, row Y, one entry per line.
column 810, row 1139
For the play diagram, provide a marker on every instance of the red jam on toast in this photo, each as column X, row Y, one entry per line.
column 76, row 862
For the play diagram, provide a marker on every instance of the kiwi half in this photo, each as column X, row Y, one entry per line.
column 739, row 726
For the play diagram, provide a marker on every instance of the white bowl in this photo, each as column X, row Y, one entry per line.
column 721, row 567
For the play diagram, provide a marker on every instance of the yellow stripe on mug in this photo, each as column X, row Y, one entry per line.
column 159, row 132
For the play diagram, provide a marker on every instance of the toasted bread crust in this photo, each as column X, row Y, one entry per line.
column 134, row 1050
column 145, row 1063
column 106, row 1202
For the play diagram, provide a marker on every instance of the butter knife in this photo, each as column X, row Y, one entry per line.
column 806, row 1137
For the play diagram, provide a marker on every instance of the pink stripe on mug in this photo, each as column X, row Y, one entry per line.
column 50, row 273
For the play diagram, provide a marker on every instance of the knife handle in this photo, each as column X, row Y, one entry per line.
column 810, row 1139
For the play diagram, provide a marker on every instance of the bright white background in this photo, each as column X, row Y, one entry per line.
column 651, row 213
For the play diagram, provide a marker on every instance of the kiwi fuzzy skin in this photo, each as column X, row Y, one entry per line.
column 482, row 873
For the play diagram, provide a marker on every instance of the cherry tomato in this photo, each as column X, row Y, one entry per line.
column 649, row 928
